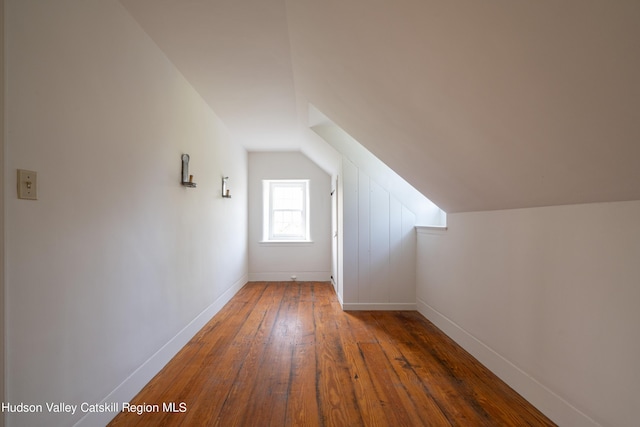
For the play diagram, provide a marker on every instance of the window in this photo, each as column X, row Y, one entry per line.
column 286, row 210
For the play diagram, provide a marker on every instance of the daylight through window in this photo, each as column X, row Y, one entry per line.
column 286, row 210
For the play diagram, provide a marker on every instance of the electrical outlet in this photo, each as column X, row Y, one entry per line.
column 27, row 185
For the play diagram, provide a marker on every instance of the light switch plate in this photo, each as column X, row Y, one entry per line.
column 27, row 185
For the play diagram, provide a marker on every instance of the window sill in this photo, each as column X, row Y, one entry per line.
column 286, row 242
column 431, row 229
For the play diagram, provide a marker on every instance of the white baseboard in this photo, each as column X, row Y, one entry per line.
column 378, row 306
column 340, row 300
column 553, row 406
column 141, row 376
column 305, row 276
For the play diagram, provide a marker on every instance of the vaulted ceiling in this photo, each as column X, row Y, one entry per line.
column 479, row 105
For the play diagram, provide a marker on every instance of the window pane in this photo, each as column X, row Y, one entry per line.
column 287, row 224
column 287, row 197
column 286, row 213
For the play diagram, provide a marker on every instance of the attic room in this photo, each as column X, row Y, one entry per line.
column 501, row 138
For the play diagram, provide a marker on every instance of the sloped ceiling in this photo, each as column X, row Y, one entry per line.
column 479, row 105
column 236, row 54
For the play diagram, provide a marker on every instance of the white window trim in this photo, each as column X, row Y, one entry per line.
column 267, row 224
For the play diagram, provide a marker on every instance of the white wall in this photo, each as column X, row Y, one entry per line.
column 547, row 298
column 109, row 271
column 378, row 245
column 279, row 261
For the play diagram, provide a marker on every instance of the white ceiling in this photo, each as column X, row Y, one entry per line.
column 236, row 55
column 479, row 105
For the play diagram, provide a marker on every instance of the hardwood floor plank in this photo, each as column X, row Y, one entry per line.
column 397, row 404
column 223, row 367
column 488, row 399
column 335, row 394
column 240, row 393
column 427, row 407
column 449, row 392
column 285, row 354
column 302, row 406
column 370, row 404
column 372, row 410
column 194, row 361
column 270, row 392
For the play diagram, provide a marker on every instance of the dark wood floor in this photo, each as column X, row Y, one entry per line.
column 285, row 354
